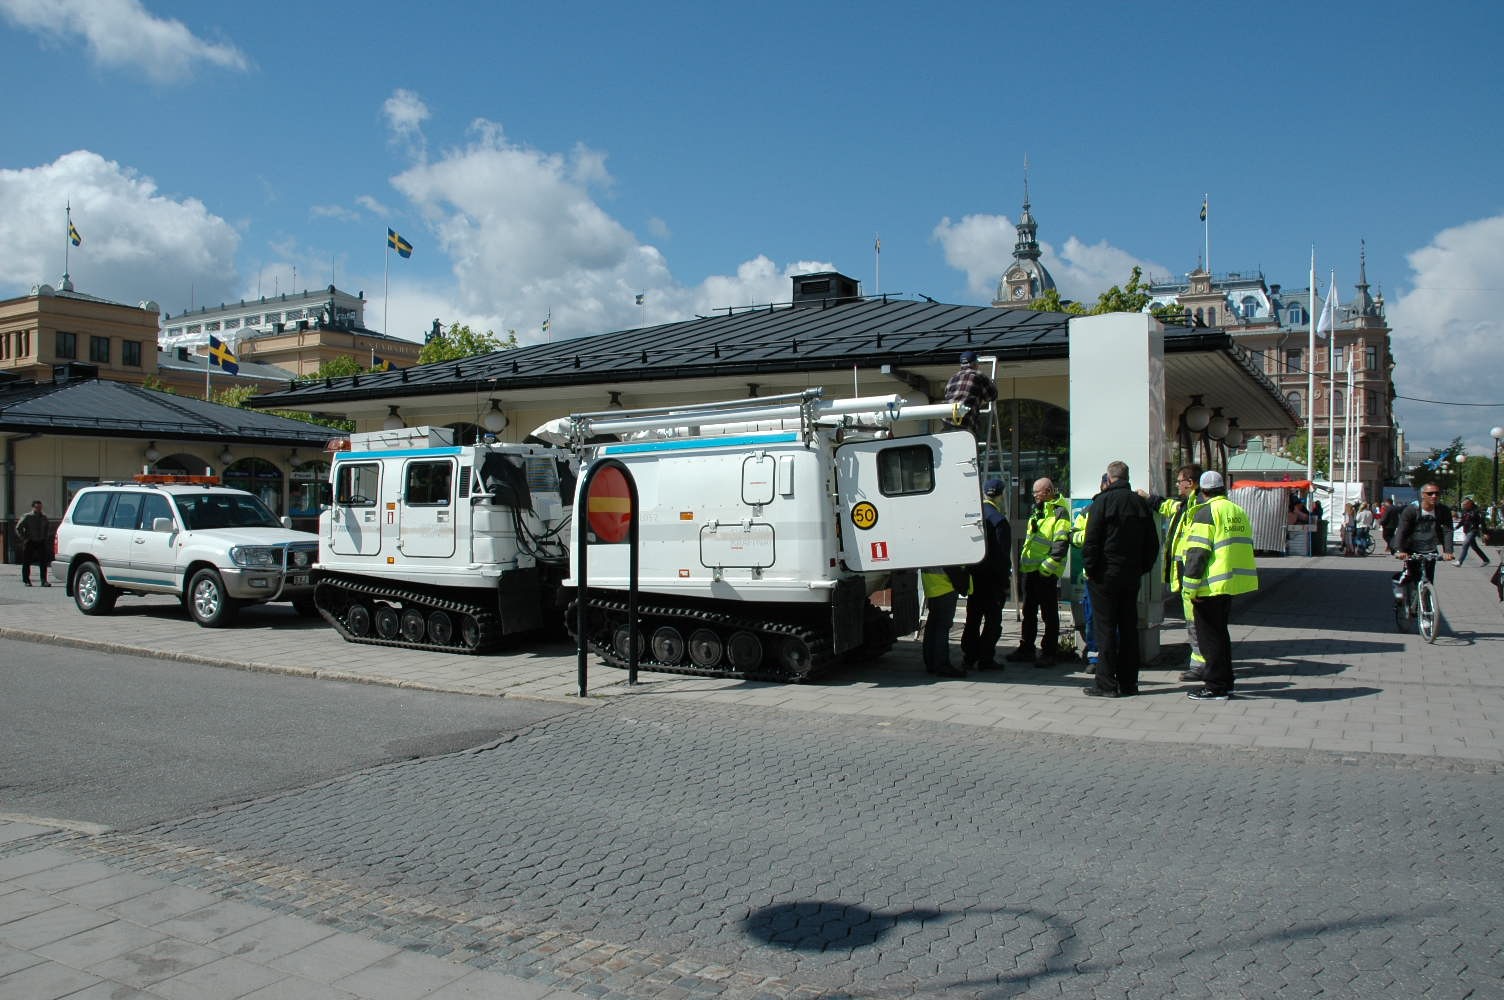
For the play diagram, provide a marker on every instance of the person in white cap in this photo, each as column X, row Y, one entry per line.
column 1218, row 566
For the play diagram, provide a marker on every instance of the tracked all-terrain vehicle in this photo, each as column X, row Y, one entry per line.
column 430, row 545
column 765, row 525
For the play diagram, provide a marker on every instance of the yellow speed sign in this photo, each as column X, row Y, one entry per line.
column 864, row 515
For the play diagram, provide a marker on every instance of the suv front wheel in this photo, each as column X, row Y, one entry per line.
column 208, row 603
column 92, row 595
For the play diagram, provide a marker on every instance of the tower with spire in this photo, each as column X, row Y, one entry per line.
column 1026, row 278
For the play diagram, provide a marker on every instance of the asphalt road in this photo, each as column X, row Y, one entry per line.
column 123, row 740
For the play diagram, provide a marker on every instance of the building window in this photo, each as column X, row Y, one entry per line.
column 1373, row 404
column 1250, row 307
column 1296, row 316
column 99, row 350
column 213, row 324
column 1293, row 398
column 1371, row 358
column 130, row 353
column 232, row 323
column 1292, row 361
column 66, row 345
column 1211, row 315
column 1337, row 359
column 1259, row 361
column 1337, row 400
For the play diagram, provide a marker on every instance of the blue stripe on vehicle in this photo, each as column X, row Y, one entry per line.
column 355, row 456
column 684, row 444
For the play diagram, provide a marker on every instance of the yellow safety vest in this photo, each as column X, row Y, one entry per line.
column 936, row 582
column 1048, row 539
column 1078, row 529
column 1177, row 510
column 1219, row 550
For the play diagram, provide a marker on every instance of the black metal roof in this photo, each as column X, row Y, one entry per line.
column 763, row 340
column 101, row 408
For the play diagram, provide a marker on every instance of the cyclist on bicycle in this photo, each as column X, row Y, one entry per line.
column 1423, row 529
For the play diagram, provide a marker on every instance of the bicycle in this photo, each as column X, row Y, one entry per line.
column 1365, row 543
column 1418, row 599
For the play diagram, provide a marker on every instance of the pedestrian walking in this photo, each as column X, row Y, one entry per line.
column 34, row 533
column 1041, row 562
column 1121, row 545
column 1219, row 565
column 989, row 585
column 1471, row 519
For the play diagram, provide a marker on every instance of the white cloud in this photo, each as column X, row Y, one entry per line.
column 405, row 114
column 337, row 212
column 138, row 244
column 525, row 235
column 122, row 34
column 981, row 246
column 373, row 206
column 658, row 229
column 1446, row 333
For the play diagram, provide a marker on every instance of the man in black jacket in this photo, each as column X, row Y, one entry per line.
column 1120, row 547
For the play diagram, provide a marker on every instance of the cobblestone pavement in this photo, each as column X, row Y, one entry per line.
column 666, row 850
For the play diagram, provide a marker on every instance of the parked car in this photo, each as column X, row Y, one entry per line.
column 216, row 549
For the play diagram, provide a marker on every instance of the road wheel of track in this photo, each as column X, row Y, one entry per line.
column 469, row 632
column 358, row 620
column 413, row 625
column 705, row 648
column 621, row 642
column 440, row 627
column 668, row 645
column 794, row 656
column 92, row 595
column 744, row 650
column 388, row 622
column 208, row 603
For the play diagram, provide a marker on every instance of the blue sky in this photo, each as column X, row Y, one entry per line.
column 564, row 158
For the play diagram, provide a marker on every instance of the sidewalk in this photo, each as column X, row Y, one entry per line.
column 1320, row 666
column 72, row 926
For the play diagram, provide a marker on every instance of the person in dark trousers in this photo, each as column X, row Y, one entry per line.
column 969, row 388
column 1218, row 566
column 943, row 586
column 1389, row 522
column 989, row 586
column 34, row 532
column 1471, row 519
column 1121, row 543
column 1041, row 562
column 1424, row 528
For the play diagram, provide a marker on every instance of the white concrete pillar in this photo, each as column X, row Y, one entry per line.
column 1117, row 407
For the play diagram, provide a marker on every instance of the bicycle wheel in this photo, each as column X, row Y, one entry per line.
column 1402, row 612
column 1429, row 614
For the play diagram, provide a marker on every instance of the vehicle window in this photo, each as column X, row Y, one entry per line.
column 91, row 508
column 428, row 483
column 127, row 510
column 154, row 506
column 208, row 511
column 906, row 470
column 358, row 484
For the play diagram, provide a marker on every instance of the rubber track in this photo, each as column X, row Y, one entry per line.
column 687, row 620
column 355, row 586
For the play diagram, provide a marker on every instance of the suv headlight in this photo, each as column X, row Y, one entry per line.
column 256, row 556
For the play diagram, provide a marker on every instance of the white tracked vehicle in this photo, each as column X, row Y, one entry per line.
column 429, row 545
column 765, row 524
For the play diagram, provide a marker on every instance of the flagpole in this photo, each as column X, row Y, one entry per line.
column 67, row 237
column 1206, row 230
column 877, row 264
column 1311, row 380
column 1331, row 404
column 386, row 282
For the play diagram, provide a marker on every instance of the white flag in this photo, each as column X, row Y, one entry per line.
column 1328, row 321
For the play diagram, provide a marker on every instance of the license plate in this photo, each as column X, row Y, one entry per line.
column 298, row 580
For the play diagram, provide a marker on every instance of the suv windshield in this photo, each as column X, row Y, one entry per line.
column 202, row 512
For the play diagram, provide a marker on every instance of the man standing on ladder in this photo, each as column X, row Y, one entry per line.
column 966, row 391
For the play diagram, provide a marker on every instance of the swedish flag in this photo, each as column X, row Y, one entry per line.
column 380, row 364
column 220, row 356
column 73, row 236
column 397, row 243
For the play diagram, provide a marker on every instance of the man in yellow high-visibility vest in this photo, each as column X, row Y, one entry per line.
column 1218, row 566
column 1047, row 546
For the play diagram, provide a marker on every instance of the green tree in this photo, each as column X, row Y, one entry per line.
column 237, row 395
column 1132, row 297
column 457, row 340
column 340, row 367
column 155, row 384
column 1295, row 451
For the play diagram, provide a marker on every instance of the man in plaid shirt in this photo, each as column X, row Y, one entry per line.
column 969, row 387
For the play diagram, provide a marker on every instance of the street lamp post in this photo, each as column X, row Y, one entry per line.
column 1496, row 434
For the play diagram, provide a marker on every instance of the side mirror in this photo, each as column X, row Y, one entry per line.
column 286, row 521
column 163, row 524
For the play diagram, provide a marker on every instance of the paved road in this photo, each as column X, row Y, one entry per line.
column 653, row 849
column 126, row 740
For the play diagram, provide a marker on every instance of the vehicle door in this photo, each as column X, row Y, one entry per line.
column 154, row 553
column 427, row 508
column 115, row 538
column 910, row 502
column 356, row 517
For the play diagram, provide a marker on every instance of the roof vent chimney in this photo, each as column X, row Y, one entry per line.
column 825, row 288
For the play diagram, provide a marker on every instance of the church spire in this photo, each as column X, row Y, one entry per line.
column 1363, row 303
column 1027, row 247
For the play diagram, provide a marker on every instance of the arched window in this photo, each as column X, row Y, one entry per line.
column 1211, row 315
column 1337, row 399
column 1250, row 306
column 1296, row 317
column 258, row 476
column 1293, row 398
column 1200, row 319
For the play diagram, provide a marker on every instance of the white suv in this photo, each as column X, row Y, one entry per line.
column 214, row 548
